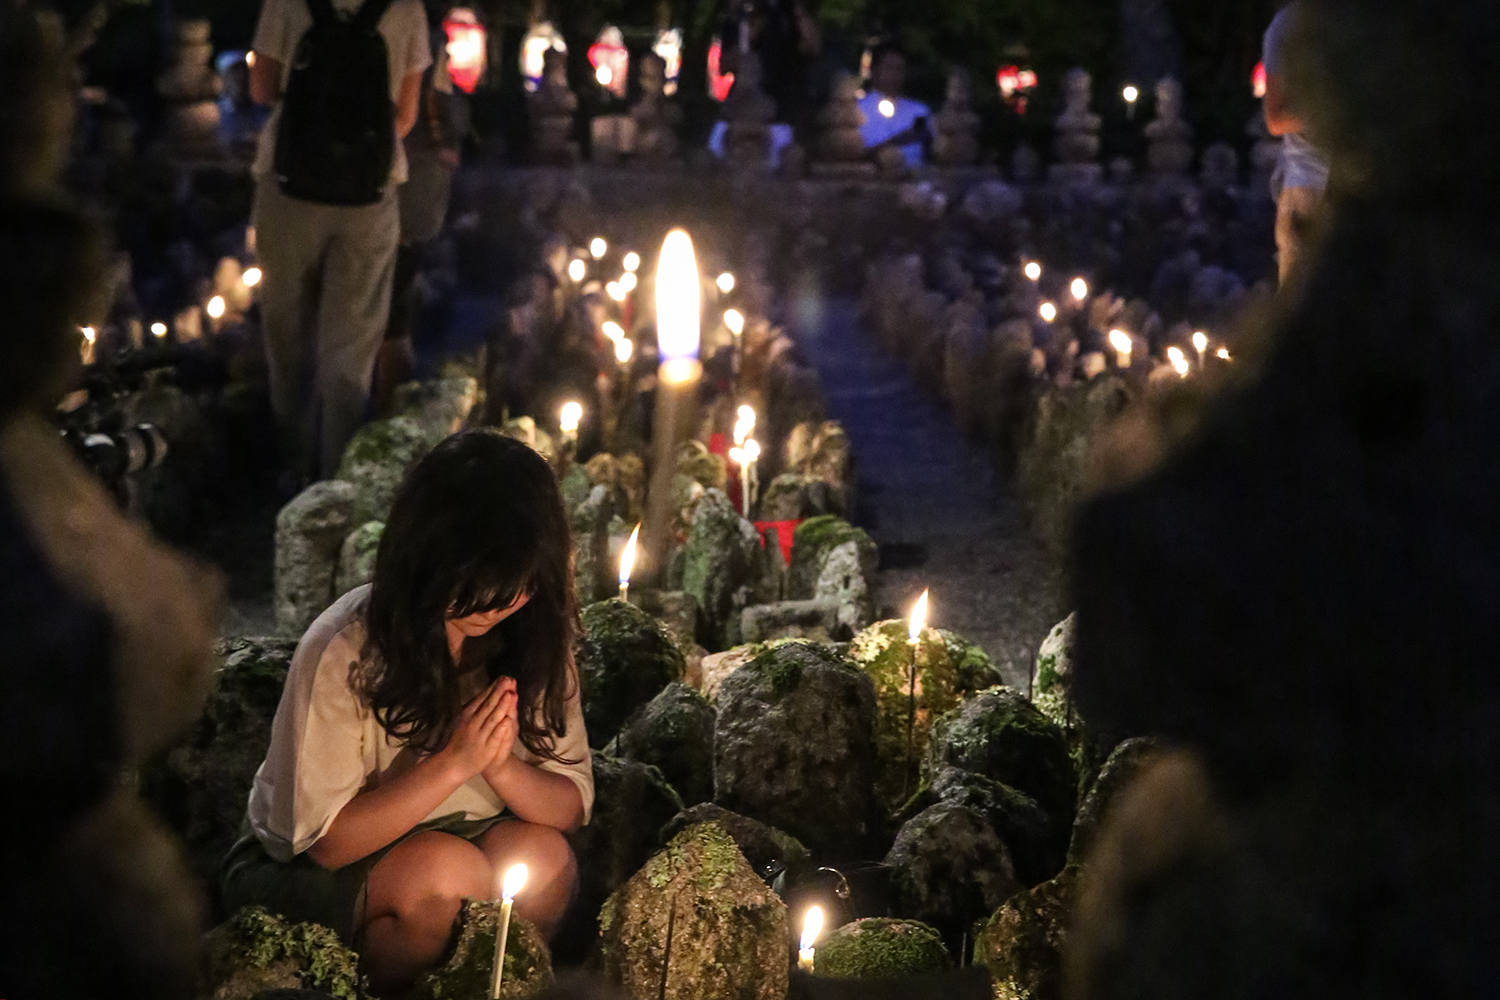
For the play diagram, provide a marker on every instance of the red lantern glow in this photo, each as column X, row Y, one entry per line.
column 466, row 48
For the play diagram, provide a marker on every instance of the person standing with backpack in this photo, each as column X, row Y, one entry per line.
column 344, row 79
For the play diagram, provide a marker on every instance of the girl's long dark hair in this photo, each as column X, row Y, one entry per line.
column 477, row 523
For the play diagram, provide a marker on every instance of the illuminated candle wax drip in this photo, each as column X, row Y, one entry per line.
column 627, row 561
column 678, row 308
column 514, row 882
column 812, row 926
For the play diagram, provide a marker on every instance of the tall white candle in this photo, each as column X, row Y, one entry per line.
column 515, row 880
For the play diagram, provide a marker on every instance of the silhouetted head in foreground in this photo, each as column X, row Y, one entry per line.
column 1302, row 589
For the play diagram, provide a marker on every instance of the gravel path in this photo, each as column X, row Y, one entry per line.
column 930, row 498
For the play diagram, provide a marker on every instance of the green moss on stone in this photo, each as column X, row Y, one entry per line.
column 1022, row 943
column 811, row 543
column 377, row 460
column 257, row 940
column 881, row 948
column 467, row 972
column 625, row 657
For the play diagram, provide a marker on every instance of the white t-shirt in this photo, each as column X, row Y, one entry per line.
column 327, row 747
column 281, row 27
column 877, row 128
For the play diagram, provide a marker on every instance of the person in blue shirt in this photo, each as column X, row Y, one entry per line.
column 891, row 119
column 1301, row 177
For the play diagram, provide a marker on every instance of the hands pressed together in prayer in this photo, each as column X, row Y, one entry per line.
column 486, row 732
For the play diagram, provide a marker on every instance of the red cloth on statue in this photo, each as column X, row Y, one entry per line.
column 784, row 532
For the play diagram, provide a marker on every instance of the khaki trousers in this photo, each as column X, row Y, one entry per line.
column 325, row 299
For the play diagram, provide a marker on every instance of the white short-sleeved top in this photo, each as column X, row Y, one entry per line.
column 1302, row 164
column 327, row 747
column 281, row 27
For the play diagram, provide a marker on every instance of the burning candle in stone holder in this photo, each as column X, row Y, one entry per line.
column 914, row 629
column 812, row 926
column 1120, row 341
column 627, row 563
column 1200, row 344
column 514, row 882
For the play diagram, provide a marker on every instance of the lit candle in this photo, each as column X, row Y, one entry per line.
column 159, row 330
column 623, row 350
column 628, row 281
column 86, row 349
column 612, row 330
column 1080, row 289
column 251, row 277
column 746, row 456
column 914, row 637
column 1200, row 344
column 216, row 308
column 1131, row 95
column 726, row 282
column 568, row 420
column 1034, row 271
column 515, row 880
column 627, row 562
column 1222, row 354
column 578, row 270
column 632, row 262
column 678, row 307
column 887, row 108
column 812, row 926
column 614, row 291
column 1120, row 341
column 1048, row 312
column 1179, row 360
column 744, row 424
column 597, row 247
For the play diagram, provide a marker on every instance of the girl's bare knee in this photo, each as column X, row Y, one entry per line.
column 424, row 874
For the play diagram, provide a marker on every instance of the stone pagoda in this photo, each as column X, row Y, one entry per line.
column 956, row 143
column 1171, row 151
column 1077, row 141
column 552, row 108
column 190, row 91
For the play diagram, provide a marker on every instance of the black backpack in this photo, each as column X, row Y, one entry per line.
column 337, row 137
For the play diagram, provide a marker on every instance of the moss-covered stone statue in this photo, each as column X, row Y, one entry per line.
column 696, row 922
column 467, row 972
column 1022, row 943
column 254, row 951
column 675, row 732
column 765, row 847
column 1127, row 761
column 357, row 557
column 377, row 459
column 835, row 561
column 625, row 657
column 721, row 564
column 1050, row 677
column 881, row 948
column 999, row 734
column 947, row 668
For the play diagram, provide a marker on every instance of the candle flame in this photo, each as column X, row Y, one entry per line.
column 1200, row 341
column 726, row 282
column 252, row 277
column 744, row 425
column 158, row 330
column 572, row 414
column 1120, row 341
column 735, row 321
column 632, row 262
column 1179, row 360
column 88, row 334
column 597, row 247
column 1048, row 312
column 1223, row 353
column 918, row 618
column 628, row 281
column 578, row 270
column 678, row 305
column 612, row 330
column 887, row 108
column 515, row 881
column 1131, row 94
column 751, row 450
column 1080, row 289
column 216, row 307
column 1034, row 271
column 627, row 556
column 614, row 291
column 812, row 926
column 623, row 350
